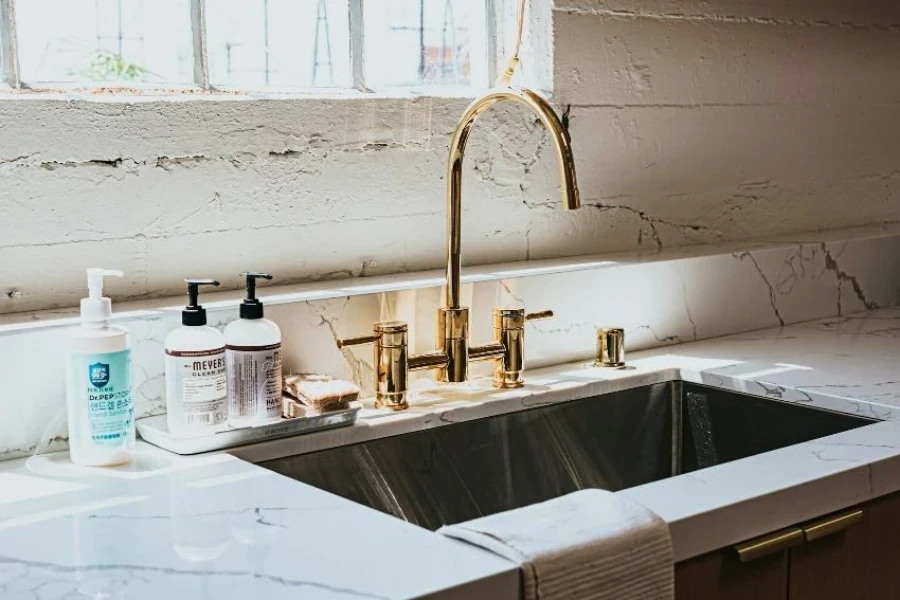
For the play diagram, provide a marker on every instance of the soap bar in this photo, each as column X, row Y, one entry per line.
column 321, row 393
column 291, row 408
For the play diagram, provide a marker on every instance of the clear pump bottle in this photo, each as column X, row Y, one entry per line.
column 98, row 382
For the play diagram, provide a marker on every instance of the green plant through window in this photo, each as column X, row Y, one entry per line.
column 109, row 66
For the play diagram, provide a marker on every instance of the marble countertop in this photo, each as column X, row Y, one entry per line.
column 215, row 527
column 218, row 526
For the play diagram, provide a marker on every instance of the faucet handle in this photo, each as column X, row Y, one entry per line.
column 543, row 314
column 357, row 341
column 509, row 333
column 391, row 362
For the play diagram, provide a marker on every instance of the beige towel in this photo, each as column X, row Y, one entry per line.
column 590, row 544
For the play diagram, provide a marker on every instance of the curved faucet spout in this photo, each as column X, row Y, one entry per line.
column 562, row 146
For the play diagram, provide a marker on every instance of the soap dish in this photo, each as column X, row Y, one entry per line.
column 155, row 431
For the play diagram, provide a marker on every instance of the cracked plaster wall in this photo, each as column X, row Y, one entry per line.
column 693, row 122
column 723, row 119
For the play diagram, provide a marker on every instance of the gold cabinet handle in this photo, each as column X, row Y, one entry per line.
column 769, row 544
column 820, row 528
column 793, row 536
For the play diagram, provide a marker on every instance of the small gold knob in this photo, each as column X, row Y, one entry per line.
column 610, row 347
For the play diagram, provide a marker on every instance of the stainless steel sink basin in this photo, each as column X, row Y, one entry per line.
column 615, row 441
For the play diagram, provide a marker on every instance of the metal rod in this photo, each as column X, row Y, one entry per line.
column 357, row 42
column 9, row 44
column 487, row 351
column 431, row 360
column 357, row 341
column 266, row 37
column 421, row 41
column 201, row 55
column 121, row 38
column 544, row 314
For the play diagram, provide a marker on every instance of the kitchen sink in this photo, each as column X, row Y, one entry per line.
column 466, row 470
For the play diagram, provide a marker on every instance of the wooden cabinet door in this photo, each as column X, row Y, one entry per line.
column 858, row 563
column 721, row 576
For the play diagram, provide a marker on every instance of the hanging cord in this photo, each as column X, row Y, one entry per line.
column 506, row 77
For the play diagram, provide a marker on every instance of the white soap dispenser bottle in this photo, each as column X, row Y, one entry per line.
column 253, row 356
column 98, row 383
column 196, row 381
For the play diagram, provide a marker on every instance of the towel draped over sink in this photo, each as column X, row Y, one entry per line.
column 591, row 544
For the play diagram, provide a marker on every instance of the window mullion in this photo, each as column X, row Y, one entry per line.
column 9, row 40
column 357, row 42
column 493, row 18
column 198, row 34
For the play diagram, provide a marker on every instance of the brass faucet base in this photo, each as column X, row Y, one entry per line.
column 453, row 340
column 391, row 404
column 508, row 385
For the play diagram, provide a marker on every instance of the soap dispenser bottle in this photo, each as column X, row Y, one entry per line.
column 196, row 382
column 253, row 356
column 98, row 383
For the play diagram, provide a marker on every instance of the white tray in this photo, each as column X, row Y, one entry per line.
column 155, row 431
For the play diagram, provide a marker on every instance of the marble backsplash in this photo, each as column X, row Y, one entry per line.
column 658, row 302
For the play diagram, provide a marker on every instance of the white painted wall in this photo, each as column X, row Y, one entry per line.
column 692, row 122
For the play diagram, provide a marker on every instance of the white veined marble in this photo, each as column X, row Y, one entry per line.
column 659, row 302
column 176, row 526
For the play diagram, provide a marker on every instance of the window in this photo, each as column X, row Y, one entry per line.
column 266, row 45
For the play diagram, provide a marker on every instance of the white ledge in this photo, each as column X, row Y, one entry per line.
column 217, row 302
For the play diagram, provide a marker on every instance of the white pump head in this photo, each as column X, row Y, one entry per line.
column 96, row 308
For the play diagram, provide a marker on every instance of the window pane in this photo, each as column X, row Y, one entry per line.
column 278, row 43
column 415, row 42
column 101, row 42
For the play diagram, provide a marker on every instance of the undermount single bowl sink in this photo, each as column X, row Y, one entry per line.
column 466, row 470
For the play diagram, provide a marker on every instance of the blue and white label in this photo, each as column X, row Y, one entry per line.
column 98, row 373
column 106, row 390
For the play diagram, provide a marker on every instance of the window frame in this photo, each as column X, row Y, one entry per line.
column 10, row 74
column 9, row 46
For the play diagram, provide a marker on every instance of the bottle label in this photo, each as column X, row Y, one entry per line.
column 255, row 382
column 199, row 380
column 104, row 383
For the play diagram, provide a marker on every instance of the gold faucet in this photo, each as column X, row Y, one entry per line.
column 392, row 362
column 453, row 319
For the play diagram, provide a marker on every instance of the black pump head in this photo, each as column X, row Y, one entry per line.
column 251, row 308
column 194, row 314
